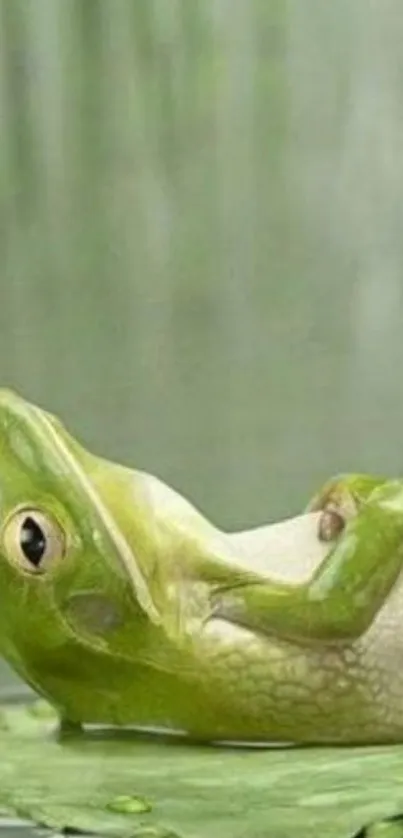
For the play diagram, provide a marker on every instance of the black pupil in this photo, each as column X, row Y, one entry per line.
column 33, row 541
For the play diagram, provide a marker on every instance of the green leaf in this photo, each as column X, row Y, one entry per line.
column 129, row 784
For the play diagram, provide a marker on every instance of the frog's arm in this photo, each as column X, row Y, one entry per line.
column 348, row 588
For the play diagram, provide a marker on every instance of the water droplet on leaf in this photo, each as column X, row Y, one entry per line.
column 128, row 804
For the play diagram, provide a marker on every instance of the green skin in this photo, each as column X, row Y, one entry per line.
column 122, row 605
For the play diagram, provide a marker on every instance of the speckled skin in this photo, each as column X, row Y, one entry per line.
column 278, row 690
column 121, row 624
column 269, row 688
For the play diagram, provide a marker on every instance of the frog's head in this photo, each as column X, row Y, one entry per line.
column 65, row 562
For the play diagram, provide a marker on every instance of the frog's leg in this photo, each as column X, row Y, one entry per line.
column 348, row 588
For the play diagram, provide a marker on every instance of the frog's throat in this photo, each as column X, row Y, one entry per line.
column 124, row 551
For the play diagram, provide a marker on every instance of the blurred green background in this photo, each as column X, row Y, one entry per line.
column 201, row 237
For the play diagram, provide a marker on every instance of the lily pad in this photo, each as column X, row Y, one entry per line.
column 128, row 784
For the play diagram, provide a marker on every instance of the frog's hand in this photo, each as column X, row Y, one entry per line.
column 290, row 550
column 345, row 592
column 342, row 497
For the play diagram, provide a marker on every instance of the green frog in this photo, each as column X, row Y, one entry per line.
column 122, row 604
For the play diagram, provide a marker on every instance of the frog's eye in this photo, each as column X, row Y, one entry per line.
column 33, row 540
